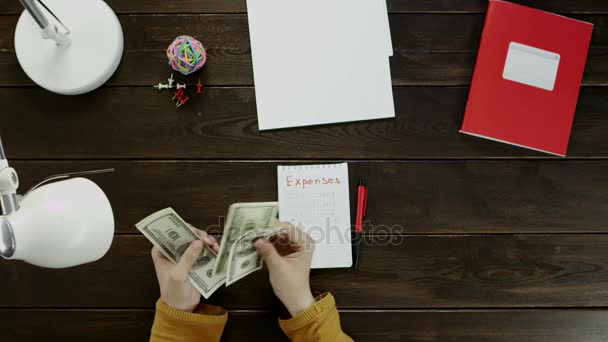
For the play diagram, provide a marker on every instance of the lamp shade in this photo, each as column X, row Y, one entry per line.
column 63, row 224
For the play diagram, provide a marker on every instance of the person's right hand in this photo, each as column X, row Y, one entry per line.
column 288, row 256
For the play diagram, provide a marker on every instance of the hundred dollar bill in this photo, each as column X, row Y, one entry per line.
column 242, row 218
column 244, row 259
column 172, row 235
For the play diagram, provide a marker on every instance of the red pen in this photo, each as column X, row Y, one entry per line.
column 357, row 234
column 361, row 204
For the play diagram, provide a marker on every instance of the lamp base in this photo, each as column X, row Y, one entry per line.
column 84, row 65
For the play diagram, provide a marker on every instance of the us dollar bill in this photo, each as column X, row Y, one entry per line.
column 172, row 235
column 243, row 218
column 243, row 258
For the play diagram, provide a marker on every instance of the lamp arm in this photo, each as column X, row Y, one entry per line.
column 9, row 182
column 2, row 154
column 49, row 30
column 8, row 203
column 30, row 6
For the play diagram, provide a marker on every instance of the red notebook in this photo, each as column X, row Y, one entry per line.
column 527, row 77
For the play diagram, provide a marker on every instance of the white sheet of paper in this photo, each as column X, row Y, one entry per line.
column 319, row 62
column 315, row 198
column 532, row 66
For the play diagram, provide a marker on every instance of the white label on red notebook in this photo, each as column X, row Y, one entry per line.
column 532, row 66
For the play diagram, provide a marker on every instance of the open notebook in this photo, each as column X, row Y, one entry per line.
column 315, row 198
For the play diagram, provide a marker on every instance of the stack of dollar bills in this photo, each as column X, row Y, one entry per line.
column 237, row 257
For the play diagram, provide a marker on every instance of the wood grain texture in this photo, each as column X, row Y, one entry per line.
column 394, row 6
column 139, row 123
column 76, row 325
column 457, row 250
column 395, row 272
column 436, row 49
column 411, row 325
column 405, row 197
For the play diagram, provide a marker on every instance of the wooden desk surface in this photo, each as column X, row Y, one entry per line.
column 474, row 240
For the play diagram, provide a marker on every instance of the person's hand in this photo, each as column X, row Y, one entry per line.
column 288, row 256
column 175, row 287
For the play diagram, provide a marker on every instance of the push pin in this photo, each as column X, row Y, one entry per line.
column 179, row 94
column 181, row 86
column 170, row 80
column 182, row 101
column 199, row 87
column 161, row 86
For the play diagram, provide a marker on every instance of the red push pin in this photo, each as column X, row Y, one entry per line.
column 182, row 101
column 199, row 87
column 179, row 94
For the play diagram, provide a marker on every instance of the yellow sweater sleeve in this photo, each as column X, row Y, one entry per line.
column 206, row 323
column 319, row 323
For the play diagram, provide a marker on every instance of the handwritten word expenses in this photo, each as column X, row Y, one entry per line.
column 307, row 182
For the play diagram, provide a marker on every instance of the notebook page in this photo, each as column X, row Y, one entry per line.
column 315, row 198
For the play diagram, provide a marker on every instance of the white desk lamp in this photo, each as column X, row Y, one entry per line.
column 69, row 47
column 61, row 224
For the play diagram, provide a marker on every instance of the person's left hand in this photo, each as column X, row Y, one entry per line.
column 175, row 287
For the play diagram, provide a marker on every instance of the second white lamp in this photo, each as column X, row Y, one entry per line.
column 62, row 224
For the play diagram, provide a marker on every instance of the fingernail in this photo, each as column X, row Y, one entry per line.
column 197, row 244
column 258, row 243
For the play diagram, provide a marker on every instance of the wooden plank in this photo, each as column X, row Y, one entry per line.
column 500, row 271
column 473, row 325
column 76, row 325
column 467, row 325
column 226, row 38
column 222, row 123
column 437, row 51
column 395, row 6
column 408, row 68
column 156, row 6
column 406, row 197
column 417, row 197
